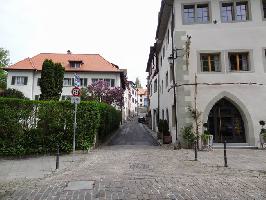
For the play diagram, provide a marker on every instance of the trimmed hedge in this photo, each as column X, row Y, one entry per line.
column 37, row 127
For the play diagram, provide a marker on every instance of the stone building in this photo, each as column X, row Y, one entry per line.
column 214, row 52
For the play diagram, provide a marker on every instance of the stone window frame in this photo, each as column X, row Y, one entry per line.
column 196, row 3
column 262, row 11
column 222, row 62
column 250, row 60
column 234, row 2
column 209, row 61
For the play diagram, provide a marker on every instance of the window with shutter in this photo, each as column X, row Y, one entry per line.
column 19, row 80
column 85, row 82
column 68, row 82
column 38, row 81
column 13, row 80
column 112, row 82
column 25, row 80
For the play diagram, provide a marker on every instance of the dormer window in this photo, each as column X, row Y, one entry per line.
column 75, row 64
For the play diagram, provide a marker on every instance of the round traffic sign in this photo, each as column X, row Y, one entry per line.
column 76, row 92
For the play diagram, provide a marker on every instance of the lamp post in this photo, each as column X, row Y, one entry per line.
column 171, row 60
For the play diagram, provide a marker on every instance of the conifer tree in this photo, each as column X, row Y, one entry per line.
column 51, row 82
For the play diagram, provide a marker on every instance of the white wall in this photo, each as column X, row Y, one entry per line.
column 25, row 89
column 153, row 103
column 224, row 37
column 31, row 89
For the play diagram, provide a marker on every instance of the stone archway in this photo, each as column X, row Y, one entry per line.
column 225, row 121
column 239, row 109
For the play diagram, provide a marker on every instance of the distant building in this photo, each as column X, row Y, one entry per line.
column 142, row 97
column 132, row 99
column 25, row 75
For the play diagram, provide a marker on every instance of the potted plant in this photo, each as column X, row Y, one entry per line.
column 206, row 140
column 205, row 137
column 262, row 133
column 167, row 138
column 262, row 137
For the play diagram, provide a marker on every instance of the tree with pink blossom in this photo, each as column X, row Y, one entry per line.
column 102, row 92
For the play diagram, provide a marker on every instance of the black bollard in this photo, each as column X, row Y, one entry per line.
column 196, row 150
column 57, row 158
column 225, row 156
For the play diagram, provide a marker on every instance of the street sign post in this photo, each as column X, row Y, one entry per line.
column 76, row 80
column 76, row 100
column 75, row 92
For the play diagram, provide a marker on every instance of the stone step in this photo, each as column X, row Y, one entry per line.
column 234, row 146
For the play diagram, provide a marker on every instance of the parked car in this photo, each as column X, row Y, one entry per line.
column 141, row 119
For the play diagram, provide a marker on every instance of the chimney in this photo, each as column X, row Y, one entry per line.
column 69, row 52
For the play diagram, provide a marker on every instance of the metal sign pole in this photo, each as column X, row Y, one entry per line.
column 76, row 100
column 75, row 126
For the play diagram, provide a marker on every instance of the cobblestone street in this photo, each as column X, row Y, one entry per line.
column 152, row 172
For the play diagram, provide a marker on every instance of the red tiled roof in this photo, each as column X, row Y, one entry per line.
column 142, row 91
column 90, row 62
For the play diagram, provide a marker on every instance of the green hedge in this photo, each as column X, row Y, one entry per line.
column 31, row 127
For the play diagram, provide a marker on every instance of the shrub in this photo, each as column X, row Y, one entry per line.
column 13, row 93
column 264, row 136
column 205, row 136
column 30, row 127
column 188, row 135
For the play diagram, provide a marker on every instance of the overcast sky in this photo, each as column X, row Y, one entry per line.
column 120, row 30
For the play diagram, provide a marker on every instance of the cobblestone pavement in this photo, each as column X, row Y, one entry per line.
column 143, row 172
column 133, row 133
column 153, row 172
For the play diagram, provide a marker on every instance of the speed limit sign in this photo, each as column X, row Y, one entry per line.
column 76, row 92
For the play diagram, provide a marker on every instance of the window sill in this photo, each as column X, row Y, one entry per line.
column 211, row 72
column 19, row 85
column 245, row 72
column 196, row 23
column 235, row 21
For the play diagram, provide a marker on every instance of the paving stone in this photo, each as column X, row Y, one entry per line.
column 152, row 172
column 79, row 185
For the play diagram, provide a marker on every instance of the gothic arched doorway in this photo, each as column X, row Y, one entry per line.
column 225, row 121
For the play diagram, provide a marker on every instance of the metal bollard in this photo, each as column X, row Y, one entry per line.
column 225, row 156
column 196, row 150
column 57, row 158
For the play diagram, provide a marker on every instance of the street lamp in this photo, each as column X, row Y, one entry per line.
column 171, row 60
column 174, row 56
